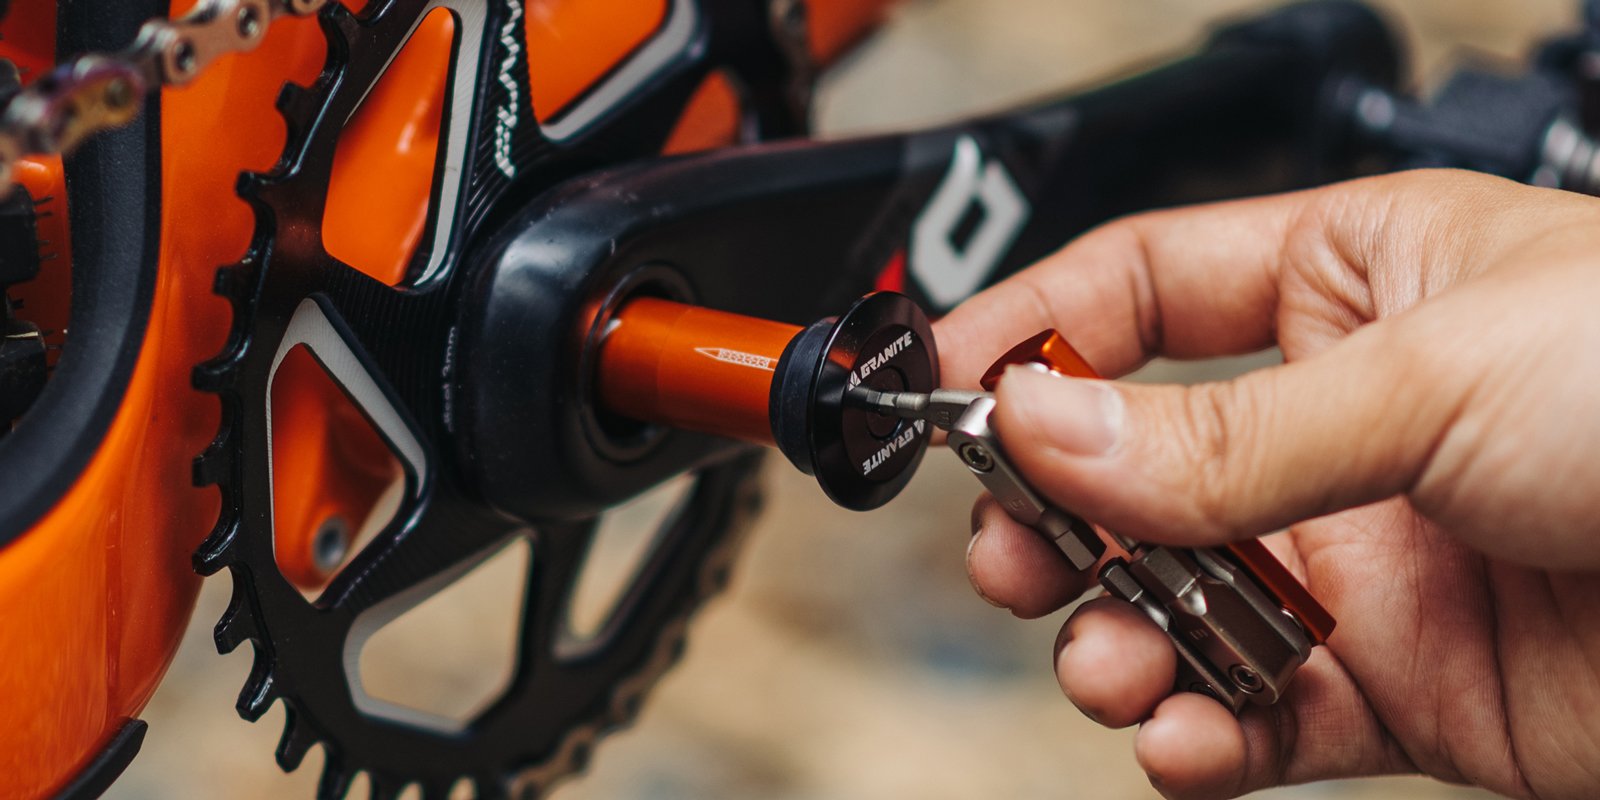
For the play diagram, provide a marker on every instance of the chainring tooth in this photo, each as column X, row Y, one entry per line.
column 237, row 625
column 298, row 105
column 335, row 781
column 216, row 551
column 296, row 741
column 213, row 376
column 383, row 788
column 490, row 788
column 212, row 466
column 260, row 689
column 230, row 283
column 248, row 185
column 216, row 375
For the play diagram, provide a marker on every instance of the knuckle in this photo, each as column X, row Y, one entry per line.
column 1219, row 442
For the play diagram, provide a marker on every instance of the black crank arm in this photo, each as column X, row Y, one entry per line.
column 795, row 231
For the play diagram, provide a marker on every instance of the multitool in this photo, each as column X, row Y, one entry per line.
column 855, row 400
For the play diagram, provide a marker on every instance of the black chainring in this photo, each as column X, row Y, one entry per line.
column 396, row 342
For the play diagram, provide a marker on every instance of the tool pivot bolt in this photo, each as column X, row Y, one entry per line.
column 976, row 457
column 1246, row 678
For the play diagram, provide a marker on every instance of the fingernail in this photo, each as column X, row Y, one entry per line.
column 977, row 533
column 1078, row 416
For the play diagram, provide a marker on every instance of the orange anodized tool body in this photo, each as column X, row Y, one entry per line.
column 1052, row 351
column 693, row 368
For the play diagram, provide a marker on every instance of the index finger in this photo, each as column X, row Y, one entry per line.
column 1187, row 283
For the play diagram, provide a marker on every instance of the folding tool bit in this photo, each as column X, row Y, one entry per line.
column 1240, row 622
column 965, row 416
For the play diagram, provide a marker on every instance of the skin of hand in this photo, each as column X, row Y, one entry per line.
column 1425, row 460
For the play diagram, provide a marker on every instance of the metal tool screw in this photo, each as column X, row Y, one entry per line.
column 1246, row 678
column 1202, row 688
column 976, row 457
column 331, row 544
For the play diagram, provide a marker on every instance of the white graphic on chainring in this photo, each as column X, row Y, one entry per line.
column 506, row 116
column 948, row 275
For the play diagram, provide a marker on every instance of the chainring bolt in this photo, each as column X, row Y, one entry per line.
column 331, row 544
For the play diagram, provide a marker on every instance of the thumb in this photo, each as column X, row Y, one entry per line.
column 1206, row 464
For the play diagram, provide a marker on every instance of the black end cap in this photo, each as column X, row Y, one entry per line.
column 860, row 459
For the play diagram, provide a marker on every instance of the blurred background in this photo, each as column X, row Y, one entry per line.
column 849, row 659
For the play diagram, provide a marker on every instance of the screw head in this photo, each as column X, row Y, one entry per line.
column 1246, row 679
column 331, row 544
column 975, row 456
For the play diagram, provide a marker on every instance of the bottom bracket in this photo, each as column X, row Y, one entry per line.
column 617, row 438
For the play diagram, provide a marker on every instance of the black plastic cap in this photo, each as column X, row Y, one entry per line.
column 860, row 458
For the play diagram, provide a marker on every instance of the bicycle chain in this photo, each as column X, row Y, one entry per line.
column 97, row 92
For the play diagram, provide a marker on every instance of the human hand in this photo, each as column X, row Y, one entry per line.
column 1430, row 444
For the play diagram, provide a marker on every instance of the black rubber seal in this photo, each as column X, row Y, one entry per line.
column 106, row 767
column 789, row 405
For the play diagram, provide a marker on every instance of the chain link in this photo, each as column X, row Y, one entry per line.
column 97, row 92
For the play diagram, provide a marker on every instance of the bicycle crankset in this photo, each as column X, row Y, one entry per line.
column 410, row 378
column 388, row 340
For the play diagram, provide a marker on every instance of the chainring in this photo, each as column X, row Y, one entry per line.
column 388, row 348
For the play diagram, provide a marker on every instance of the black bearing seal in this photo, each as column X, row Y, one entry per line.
column 861, row 458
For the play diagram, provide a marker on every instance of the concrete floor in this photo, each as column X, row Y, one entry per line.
column 850, row 660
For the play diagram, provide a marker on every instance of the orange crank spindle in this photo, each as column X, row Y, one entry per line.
column 691, row 367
